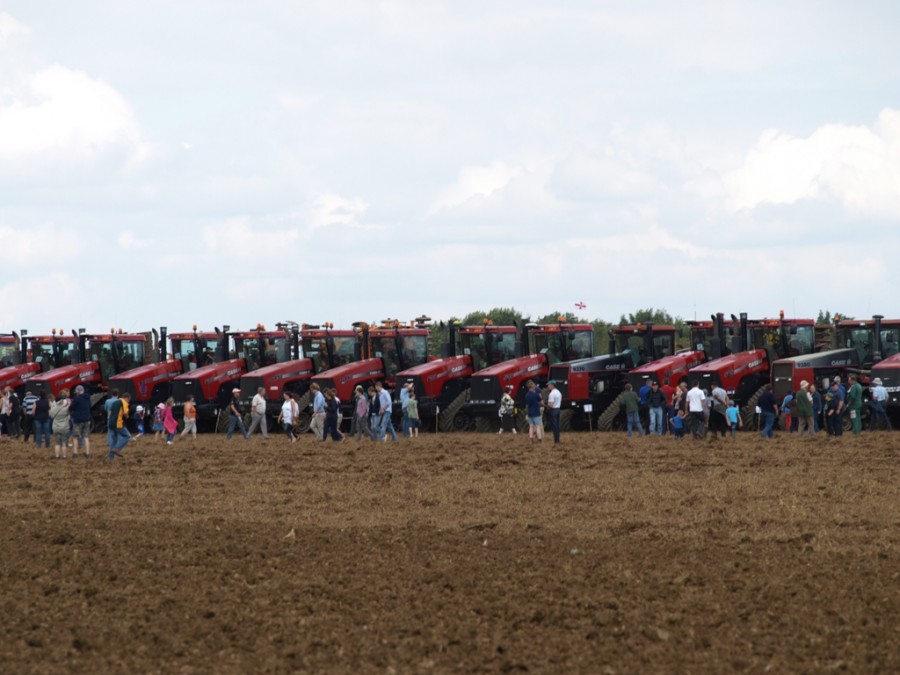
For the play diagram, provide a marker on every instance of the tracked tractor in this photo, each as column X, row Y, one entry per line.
column 151, row 384
column 322, row 347
column 385, row 350
column 95, row 360
column 745, row 372
column 709, row 339
column 23, row 356
column 859, row 345
column 212, row 384
column 541, row 346
column 442, row 385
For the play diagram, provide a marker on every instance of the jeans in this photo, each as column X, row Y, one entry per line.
column 879, row 416
column 768, row 422
column 656, row 421
column 406, row 425
column 42, row 432
column 554, row 423
column 362, row 427
column 118, row 439
column 633, row 419
column 382, row 426
column 331, row 427
column 234, row 421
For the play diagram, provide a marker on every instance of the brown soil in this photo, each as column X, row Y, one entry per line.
column 452, row 553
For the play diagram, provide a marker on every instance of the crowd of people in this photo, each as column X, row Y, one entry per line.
column 65, row 422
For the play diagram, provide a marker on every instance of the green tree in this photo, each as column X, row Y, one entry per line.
column 501, row 316
column 567, row 317
column 827, row 318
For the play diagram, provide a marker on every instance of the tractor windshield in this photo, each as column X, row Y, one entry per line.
column 413, row 351
column 115, row 356
column 487, row 349
column 800, row 339
column 128, row 354
column 43, row 353
column 663, row 344
column 889, row 341
column 258, row 351
column 8, row 353
column 565, row 345
column 194, row 352
column 344, row 349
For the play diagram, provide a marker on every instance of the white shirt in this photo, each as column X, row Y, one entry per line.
column 258, row 404
column 695, row 399
column 287, row 411
column 554, row 399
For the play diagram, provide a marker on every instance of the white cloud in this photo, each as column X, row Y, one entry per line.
column 477, row 181
column 332, row 209
column 53, row 297
column 50, row 245
column 129, row 242
column 10, row 28
column 858, row 166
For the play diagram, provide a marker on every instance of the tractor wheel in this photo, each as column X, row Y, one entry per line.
column 304, row 418
column 748, row 412
column 566, row 418
column 222, row 422
column 487, row 425
column 452, row 418
column 521, row 422
column 607, row 420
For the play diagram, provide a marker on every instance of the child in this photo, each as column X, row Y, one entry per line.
column 138, row 422
column 677, row 423
column 158, row 414
column 733, row 415
column 412, row 411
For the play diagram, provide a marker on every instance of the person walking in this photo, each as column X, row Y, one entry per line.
column 804, row 410
column 234, row 416
column 718, row 404
column 733, row 418
column 287, row 414
column 533, row 405
column 118, row 431
column 80, row 410
column 656, row 402
column 42, row 420
column 331, row 417
column 59, row 418
column 383, row 422
column 157, row 426
column 507, row 411
column 361, row 414
column 854, row 404
column 317, row 423
column 189, row 416
column 768, row 412
column 632, row 404
column 258, row 413
column 170, row 425
column 404, row 404
column 554, row 405
column 15, row 414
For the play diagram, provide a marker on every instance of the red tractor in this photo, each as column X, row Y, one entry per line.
column 151, row 384
column 95, row 360
column 744, row 373
column 212, row 384
column 23, row 357
column 442, row 385
column 386, row 350
column 323, row 348
column 547, row 345
column 888, row 371
column 669, row 368
column 859, row 345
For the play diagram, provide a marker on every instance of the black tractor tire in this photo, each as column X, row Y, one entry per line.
column 487, row 424
column 452, row 418
column 748, row 411
column 566, row 419
column 222, row 421
column 304, row 418
column 606, row 421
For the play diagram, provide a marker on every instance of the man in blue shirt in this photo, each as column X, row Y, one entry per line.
column 404, row 406
column 533, row 404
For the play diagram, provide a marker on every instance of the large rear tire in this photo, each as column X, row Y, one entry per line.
column 566, row 419
column 748, row 411
column 608, row 418
column 452, row 418
column 304, row 418
column 222, row 422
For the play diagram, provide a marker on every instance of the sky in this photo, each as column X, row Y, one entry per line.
column 219, row 162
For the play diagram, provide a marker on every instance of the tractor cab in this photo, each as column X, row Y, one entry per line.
column 561, row 342
column 114, row 353
column 487, row 344
column 194, row 349
column 782, row 338
column 262, row 347
column 51, row 351
column 398, row 347
column 9, row 350
column 644, row 341
column 873, row 339
column 326, row 347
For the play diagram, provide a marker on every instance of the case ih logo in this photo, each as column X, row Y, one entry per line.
column 225, row 373
column 446, row 373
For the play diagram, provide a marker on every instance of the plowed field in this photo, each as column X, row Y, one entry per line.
column 454, row 553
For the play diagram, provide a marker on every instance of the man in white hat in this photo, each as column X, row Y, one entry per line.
column 805, row 410
column 879, row 406
column 234, row 415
